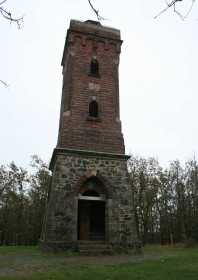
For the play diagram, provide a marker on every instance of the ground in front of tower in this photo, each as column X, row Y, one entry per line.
column 19, row 262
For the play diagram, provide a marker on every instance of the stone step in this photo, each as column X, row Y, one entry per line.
column 92, row 242
column 100, row 246
column 95, row 252
column 95, row 248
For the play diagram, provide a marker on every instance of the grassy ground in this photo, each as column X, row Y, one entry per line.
column 157, row 263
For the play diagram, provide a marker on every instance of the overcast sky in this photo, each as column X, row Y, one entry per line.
column 158, row 77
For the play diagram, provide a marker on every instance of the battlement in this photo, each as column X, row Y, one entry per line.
column 94, row 31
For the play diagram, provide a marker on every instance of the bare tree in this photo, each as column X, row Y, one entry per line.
column 99, row 17
column 8, row 15
column 173, row 4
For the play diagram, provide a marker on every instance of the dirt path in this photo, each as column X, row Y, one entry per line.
column 26, row 263
column 103, row 260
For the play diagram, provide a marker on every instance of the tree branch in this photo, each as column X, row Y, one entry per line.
column 173, row 4
column 99, row 17
column 4, row 83
column 8, row 15
column 189, row 11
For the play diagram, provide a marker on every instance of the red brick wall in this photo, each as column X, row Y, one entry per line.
column 77, row 131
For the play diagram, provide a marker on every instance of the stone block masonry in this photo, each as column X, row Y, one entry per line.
column 71, row 170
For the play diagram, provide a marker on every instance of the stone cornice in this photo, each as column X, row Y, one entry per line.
column 62, row 151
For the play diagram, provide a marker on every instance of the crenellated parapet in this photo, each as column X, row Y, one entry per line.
column 92, row 35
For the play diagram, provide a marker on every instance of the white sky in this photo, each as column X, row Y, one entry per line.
column 158, row 77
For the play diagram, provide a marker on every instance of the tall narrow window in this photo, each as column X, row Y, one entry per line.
column 93, row 109
column 94, row 67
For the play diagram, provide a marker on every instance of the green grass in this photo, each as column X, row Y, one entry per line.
column 18, row 249
column 157, row 263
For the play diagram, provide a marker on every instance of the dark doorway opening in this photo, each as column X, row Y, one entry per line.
column 91, row 220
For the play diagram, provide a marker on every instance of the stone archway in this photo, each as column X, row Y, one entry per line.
column 92, row 210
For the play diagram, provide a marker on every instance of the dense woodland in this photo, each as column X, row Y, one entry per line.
column 165, row 200
column 22, row 202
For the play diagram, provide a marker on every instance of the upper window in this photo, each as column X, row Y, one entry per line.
column 94, row 67
column 93, row 109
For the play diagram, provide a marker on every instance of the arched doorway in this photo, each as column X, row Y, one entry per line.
column 91, row 210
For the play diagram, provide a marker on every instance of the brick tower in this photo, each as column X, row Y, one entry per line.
column 90, row 198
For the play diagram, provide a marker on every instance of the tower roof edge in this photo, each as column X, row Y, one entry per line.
column 90, row 26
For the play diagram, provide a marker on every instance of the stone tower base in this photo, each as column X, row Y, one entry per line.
column 90, row 201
